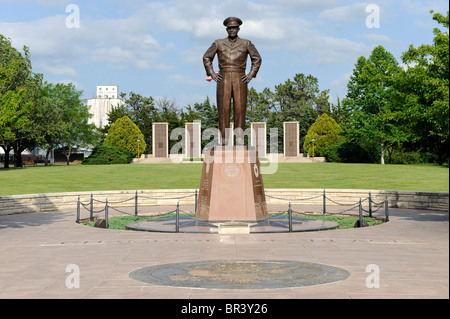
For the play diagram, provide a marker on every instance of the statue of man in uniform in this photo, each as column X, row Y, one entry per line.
column 232, row 80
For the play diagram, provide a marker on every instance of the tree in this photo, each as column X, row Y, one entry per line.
column 27, row 136
column 142, row 112
column 124, row 134
column 425, row 92
column 326, row 132
column 370, row 107
column 336, row 112
column 299, row 100
column 258, row 105
column 77, row 132
column 53, row 118
column 206, row 112
column 115, row 113
column 15, row 69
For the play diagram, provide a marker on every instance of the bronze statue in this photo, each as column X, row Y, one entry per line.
column 232, row 53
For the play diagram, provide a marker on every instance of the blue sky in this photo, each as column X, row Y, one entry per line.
column 155, row 48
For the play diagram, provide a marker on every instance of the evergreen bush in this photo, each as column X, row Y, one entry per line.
column 124, row 133
column 106, row 154
column 326, row 131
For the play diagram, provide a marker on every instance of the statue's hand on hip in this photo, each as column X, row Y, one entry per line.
column 216, row 77
column 247, row 78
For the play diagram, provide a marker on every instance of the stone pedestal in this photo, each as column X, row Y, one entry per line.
column 231, row 187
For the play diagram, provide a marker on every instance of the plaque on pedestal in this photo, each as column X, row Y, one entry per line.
column 231, row 187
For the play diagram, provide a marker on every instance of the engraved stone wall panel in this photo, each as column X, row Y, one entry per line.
column 258, row 137
column 291, row 139
column 193, row 140
column 160, row 140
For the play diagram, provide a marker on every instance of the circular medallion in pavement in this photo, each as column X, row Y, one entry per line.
column 240, row 274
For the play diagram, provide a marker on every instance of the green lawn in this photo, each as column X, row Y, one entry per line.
column 35, row 180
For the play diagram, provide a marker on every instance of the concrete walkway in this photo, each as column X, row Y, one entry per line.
column 411, row 252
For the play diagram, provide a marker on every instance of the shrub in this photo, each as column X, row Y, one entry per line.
column 400, row 157
column 326, row 131
column 124, row 133
column 105, row 154
column 346, row 152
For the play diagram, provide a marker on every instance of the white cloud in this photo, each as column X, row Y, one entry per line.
column 42, row 3
column 187, row 80
column 341, row 83
column 353, row 12
column 264, row 29
column 424, row 7
column 378, row 38
column 60, row 70
column 120, row 43
column 303, row 5
column 77, row 85
column 334, row 50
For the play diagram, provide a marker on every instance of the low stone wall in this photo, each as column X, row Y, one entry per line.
column 170, row 197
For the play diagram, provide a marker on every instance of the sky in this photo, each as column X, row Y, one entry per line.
column 155, row 48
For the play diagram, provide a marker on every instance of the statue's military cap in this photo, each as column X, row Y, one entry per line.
column 232, row 22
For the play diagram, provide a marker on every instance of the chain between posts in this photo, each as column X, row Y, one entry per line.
column 89, row 206
column 350, row 205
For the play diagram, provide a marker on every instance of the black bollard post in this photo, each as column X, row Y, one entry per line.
column 195, row 207
column 106, row 214
column 177, row 226
column 370, row 204
column 290, row 217
column 386, row 209
column 91, row 214
column 324, row 203
column 78, row 210
column 136, row 204
column 360, row 214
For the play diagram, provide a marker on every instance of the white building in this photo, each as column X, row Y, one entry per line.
column 107, row 97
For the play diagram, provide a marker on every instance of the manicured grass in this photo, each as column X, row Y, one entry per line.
column 119, row 222
column 360, row 176
column 346, row 221
column 73, row 178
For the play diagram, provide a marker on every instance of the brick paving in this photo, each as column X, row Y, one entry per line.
column 411, row 252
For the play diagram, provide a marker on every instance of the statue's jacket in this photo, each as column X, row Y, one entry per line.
column 232, row 56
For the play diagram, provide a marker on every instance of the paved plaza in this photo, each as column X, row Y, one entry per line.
column 39, row 250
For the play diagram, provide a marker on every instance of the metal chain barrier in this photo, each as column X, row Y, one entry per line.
column 352, row 206
column 89, row 206
column 293, row 200
column 93, row 213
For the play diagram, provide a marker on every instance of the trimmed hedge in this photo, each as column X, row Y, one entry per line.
column 107, row 154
